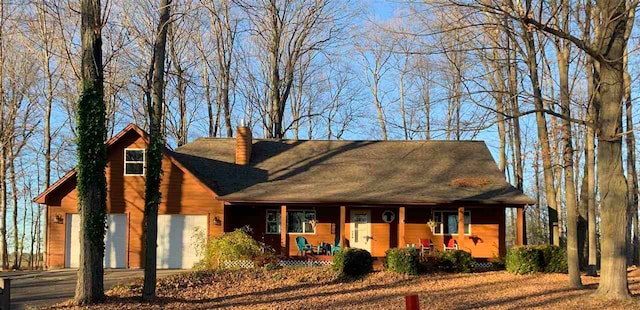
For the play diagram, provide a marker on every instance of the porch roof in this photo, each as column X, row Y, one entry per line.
column 382, row 172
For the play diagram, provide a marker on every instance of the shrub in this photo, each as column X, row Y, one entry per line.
column 235, row 245
column 554, row 258
column 498, row 262
column 524, row 259
column 402, row 260
column 429, row 263
column 456, row 261
column 537, row 258
column 353, row 262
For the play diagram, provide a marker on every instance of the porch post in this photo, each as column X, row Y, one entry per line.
column 402, row 242
column 520, row 230
column 460, row 227
column 343, row 219
column 284, row 240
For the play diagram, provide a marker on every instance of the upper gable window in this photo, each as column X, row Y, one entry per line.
column 133, row 162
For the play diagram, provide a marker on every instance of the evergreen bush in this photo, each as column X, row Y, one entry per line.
column 353, row 262
column 404, row 260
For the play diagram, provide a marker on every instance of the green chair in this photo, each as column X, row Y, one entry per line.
column 303, row 246
column 336, row 247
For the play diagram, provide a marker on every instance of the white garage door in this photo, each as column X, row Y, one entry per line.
column 176, row 248
column 115, row 241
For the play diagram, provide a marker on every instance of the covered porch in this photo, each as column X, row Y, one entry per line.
column 375, row 228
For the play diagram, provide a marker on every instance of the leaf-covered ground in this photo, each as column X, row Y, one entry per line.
column 319, row 288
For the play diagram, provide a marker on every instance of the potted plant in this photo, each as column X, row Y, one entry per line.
column 432, row 225
column 313, row 224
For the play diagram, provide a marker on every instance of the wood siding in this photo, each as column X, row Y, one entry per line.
column 485, row 241
column 181, row 194
column 487, row 230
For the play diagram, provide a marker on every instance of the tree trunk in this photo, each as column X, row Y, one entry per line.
column 611, row 180
column 3, row 208
column 92, row 158
column 154, row 154
column 14, row 196
column 543, row 136
column 632, row 177
column 583, row 207
column 403, row 113
column 567, row 152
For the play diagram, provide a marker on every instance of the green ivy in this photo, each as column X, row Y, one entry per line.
column 92, row 160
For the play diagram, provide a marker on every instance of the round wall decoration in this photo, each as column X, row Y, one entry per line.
column 388, row 216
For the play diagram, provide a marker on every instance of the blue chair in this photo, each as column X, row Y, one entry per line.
column 336, row 247
column 303, row 246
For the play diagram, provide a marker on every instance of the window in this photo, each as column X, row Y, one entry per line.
column 273, row 222
column 133, row 162
column 298, row 221
column 447, row 222
column 301, row 221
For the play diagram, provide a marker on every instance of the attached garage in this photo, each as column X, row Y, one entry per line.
column 176, row 244
column 115, row 241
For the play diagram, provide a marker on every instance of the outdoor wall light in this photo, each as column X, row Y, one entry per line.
column 217, row 221
column 58, row 219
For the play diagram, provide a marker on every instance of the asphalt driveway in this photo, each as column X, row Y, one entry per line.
column 45, row 288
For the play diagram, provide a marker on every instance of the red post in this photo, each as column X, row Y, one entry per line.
column 411, row 302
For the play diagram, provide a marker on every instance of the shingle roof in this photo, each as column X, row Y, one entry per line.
column 352, row 171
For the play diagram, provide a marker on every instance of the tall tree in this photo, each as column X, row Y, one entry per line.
column 92, row 158
column 155, row 151
column 632, row 174
column 289, row 30
column 224, row 29
column 563, row 53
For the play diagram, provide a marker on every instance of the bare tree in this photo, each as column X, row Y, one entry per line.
column 288, row 30
column 155, row 151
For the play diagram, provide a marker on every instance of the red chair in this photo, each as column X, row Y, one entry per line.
column 426, row 246
column 451, row 245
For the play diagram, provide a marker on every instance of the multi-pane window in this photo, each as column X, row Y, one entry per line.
column 301, row 221
column 298, row 221
column 447, row 222
column 273, row 222
column 133, row 162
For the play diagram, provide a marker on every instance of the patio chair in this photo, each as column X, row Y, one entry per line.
column 426, row 246
column 303, row 246
column 451, row 245
column 336, row 247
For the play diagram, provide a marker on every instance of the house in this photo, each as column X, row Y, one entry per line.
column 363, row 194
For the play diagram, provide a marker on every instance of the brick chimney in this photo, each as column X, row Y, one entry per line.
column 243, row 144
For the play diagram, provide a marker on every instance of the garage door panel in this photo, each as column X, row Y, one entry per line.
column 175, row 240
column 72, row 257
column 115, row 241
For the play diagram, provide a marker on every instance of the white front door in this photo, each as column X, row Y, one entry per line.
column 361, row 229
column 115, row 241
column 176, row 240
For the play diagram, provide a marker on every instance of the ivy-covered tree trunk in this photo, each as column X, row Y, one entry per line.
column 91, row 182
column 154, row 154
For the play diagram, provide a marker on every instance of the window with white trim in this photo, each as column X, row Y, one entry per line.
column 134, row 161
column 447, row 222
column 301, row 221
column 273, row 222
